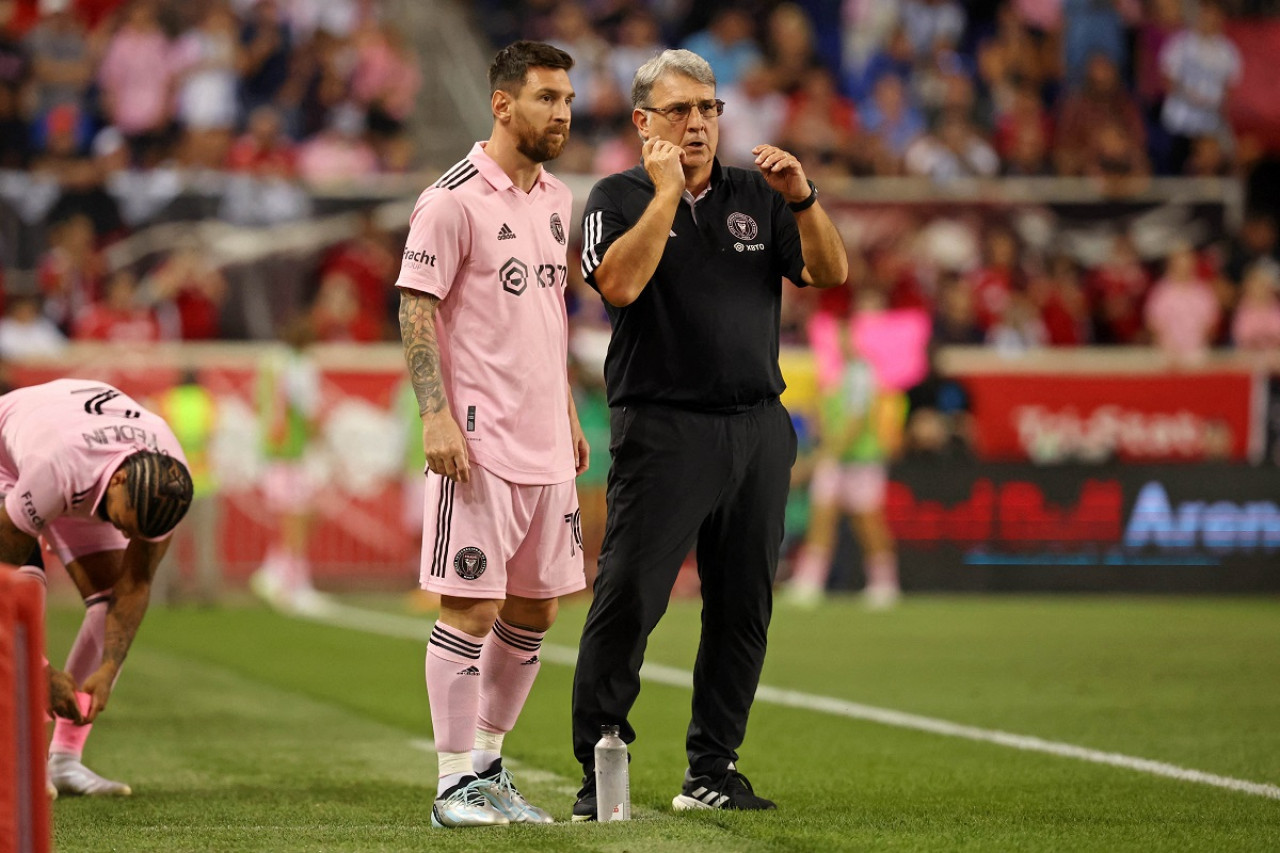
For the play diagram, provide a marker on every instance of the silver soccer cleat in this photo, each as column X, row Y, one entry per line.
column 467, row 805
column 69, row 776
column 508, row 800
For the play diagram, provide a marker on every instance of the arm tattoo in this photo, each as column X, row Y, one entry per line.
column 421, row 349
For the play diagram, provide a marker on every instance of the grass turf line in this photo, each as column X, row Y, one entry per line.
column 214, row 702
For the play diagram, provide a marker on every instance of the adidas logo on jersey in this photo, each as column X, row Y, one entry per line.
column 471, row 670
column 505, row 233
column 530, row 661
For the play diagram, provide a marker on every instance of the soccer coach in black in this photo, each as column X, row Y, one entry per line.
column 689, row 257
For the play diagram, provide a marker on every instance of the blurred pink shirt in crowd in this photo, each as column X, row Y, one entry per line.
column 135, row 76
column 495, row 256
column 1182, row 315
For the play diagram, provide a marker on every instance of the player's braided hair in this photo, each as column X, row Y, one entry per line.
column 160, row 488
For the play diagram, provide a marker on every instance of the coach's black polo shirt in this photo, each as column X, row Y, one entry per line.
column 703, row 334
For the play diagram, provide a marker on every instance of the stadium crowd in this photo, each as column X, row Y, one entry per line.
column 101, row 95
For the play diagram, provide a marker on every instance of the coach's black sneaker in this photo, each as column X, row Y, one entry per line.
column 730, row 790
column 585, row 807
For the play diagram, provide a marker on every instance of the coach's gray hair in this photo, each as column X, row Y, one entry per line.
column 684, row 62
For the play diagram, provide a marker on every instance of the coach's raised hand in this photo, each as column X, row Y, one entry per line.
column 782, row 171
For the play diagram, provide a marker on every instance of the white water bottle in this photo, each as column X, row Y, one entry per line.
column 613, row 781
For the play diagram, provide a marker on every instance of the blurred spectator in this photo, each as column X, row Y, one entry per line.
column 1209, row 157
column 1115, row 160
column 15, row 69
column 1028, row 155
column 928, row 22
column 187, row 292
column 339, row 154
column 596, row 97
column 264, row 150
column 1200, row 65
column 1091, row 28
column 1022, row 131
column 755, row 113
column 337, row 315
column 1000, row 275
column 265, row 57
column 1256, row 325
column 318, row 81
column 728, row 45
column 896, row 58
column 371, row 262
column 820, row 125
column 135, row 82
column 1255, row 242
column 867, row 27
column 954, row 321
column 953, row 150
column 789, row 48
column 1182, row 310
column 1009, row 59
column 61, row 67
column 894, row 122
column 1019, row 329
column 942, row 81
column 121, row 317
column 81, row 177
column 204, row 61
column 1162, row 19
column 639, row 39
column 1116, row 290
column 385, row 82
column 25, row 332
column 1100, row 97
column 939, row 416
column 70, row 271
column 1064, row 307
column 140, row 193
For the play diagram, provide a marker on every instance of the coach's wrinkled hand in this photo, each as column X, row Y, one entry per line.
column 445, row 447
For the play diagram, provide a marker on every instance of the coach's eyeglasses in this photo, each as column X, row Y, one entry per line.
column 679, row 113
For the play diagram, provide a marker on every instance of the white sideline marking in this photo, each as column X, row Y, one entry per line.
column 404, row 627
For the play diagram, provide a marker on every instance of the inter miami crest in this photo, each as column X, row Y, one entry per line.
column 469, row 563
column 742, row 227
column 557, row 228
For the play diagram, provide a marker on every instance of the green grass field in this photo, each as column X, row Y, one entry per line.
column 243, row 730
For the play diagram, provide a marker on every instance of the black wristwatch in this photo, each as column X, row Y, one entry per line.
column 798, row 206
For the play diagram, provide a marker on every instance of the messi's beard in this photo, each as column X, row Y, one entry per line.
column 540, row 147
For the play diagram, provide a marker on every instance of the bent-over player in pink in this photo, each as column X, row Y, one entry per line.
column 102, row 482
column 482, row 317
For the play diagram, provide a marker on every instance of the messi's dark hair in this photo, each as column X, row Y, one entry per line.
column 160, row 489
column 513, row 62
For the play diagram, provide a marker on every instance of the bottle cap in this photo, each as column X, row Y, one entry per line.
column 609, row 730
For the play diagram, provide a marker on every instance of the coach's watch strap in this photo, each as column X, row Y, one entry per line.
column 798, row 206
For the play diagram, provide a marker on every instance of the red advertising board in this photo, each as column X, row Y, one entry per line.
column 1160, row 417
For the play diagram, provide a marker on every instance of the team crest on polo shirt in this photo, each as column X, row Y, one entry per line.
column 557, row 228
column 742, row 227
column 469, row 563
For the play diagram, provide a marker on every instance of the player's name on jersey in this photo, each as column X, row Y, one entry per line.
column 122, row 434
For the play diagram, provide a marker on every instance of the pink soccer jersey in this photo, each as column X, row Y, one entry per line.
column 60, row 443
column 495, row 256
